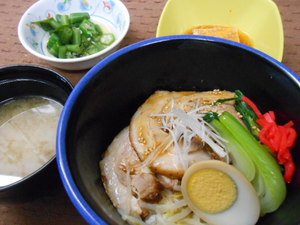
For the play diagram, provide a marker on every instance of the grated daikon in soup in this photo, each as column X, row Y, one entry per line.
column 27, row 136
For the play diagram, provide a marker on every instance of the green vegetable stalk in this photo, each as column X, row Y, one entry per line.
column 268, row 171
column 65, row 35
column 240, row 158
column 62, row 51
column 53, row 44
column 76, row 36
column 78, row 17
column 48, row 25
column 63, row 19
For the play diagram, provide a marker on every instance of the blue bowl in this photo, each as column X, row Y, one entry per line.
column 105, row 99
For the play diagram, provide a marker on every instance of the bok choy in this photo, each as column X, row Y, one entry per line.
column 269, row 180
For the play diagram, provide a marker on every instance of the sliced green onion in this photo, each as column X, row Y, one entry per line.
column 71, row 55
column 85, row 42
column 88, row 28
column 99, row 46
column 92, row 49
column 107, row 39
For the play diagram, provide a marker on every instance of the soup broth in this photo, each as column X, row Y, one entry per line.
column 27, row 136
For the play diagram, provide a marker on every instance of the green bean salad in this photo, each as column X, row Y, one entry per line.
column 74, row 35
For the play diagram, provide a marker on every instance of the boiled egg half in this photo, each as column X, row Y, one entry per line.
column 220, row 194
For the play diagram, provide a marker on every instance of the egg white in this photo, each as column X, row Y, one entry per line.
column 244, row 211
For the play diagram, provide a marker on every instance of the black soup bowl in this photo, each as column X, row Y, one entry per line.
column 31, row 80
column 106, row 98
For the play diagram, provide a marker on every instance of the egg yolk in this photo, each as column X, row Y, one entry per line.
column 211, row 190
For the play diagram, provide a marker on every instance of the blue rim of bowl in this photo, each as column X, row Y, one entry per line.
column 72, row 190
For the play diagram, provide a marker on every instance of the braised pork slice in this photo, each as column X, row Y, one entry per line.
column 154, row 144
column 147, row 187
column 169, row 183
column 126, row 183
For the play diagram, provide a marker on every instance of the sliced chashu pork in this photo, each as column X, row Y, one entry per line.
column 126, row 183
column 148, row 139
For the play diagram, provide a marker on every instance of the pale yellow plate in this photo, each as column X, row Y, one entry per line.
column 260, row 19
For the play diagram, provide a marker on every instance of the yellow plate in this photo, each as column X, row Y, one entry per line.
column 260, row 19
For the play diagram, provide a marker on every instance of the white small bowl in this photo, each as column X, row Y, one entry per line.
column 112, row 13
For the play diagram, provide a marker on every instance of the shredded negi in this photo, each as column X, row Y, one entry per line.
column 183, row 127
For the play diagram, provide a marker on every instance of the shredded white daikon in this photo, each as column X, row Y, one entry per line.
column 200, row 129
column 184, row 126
column 153, row 155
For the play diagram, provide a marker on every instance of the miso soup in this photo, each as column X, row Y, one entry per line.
column 27, row 135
